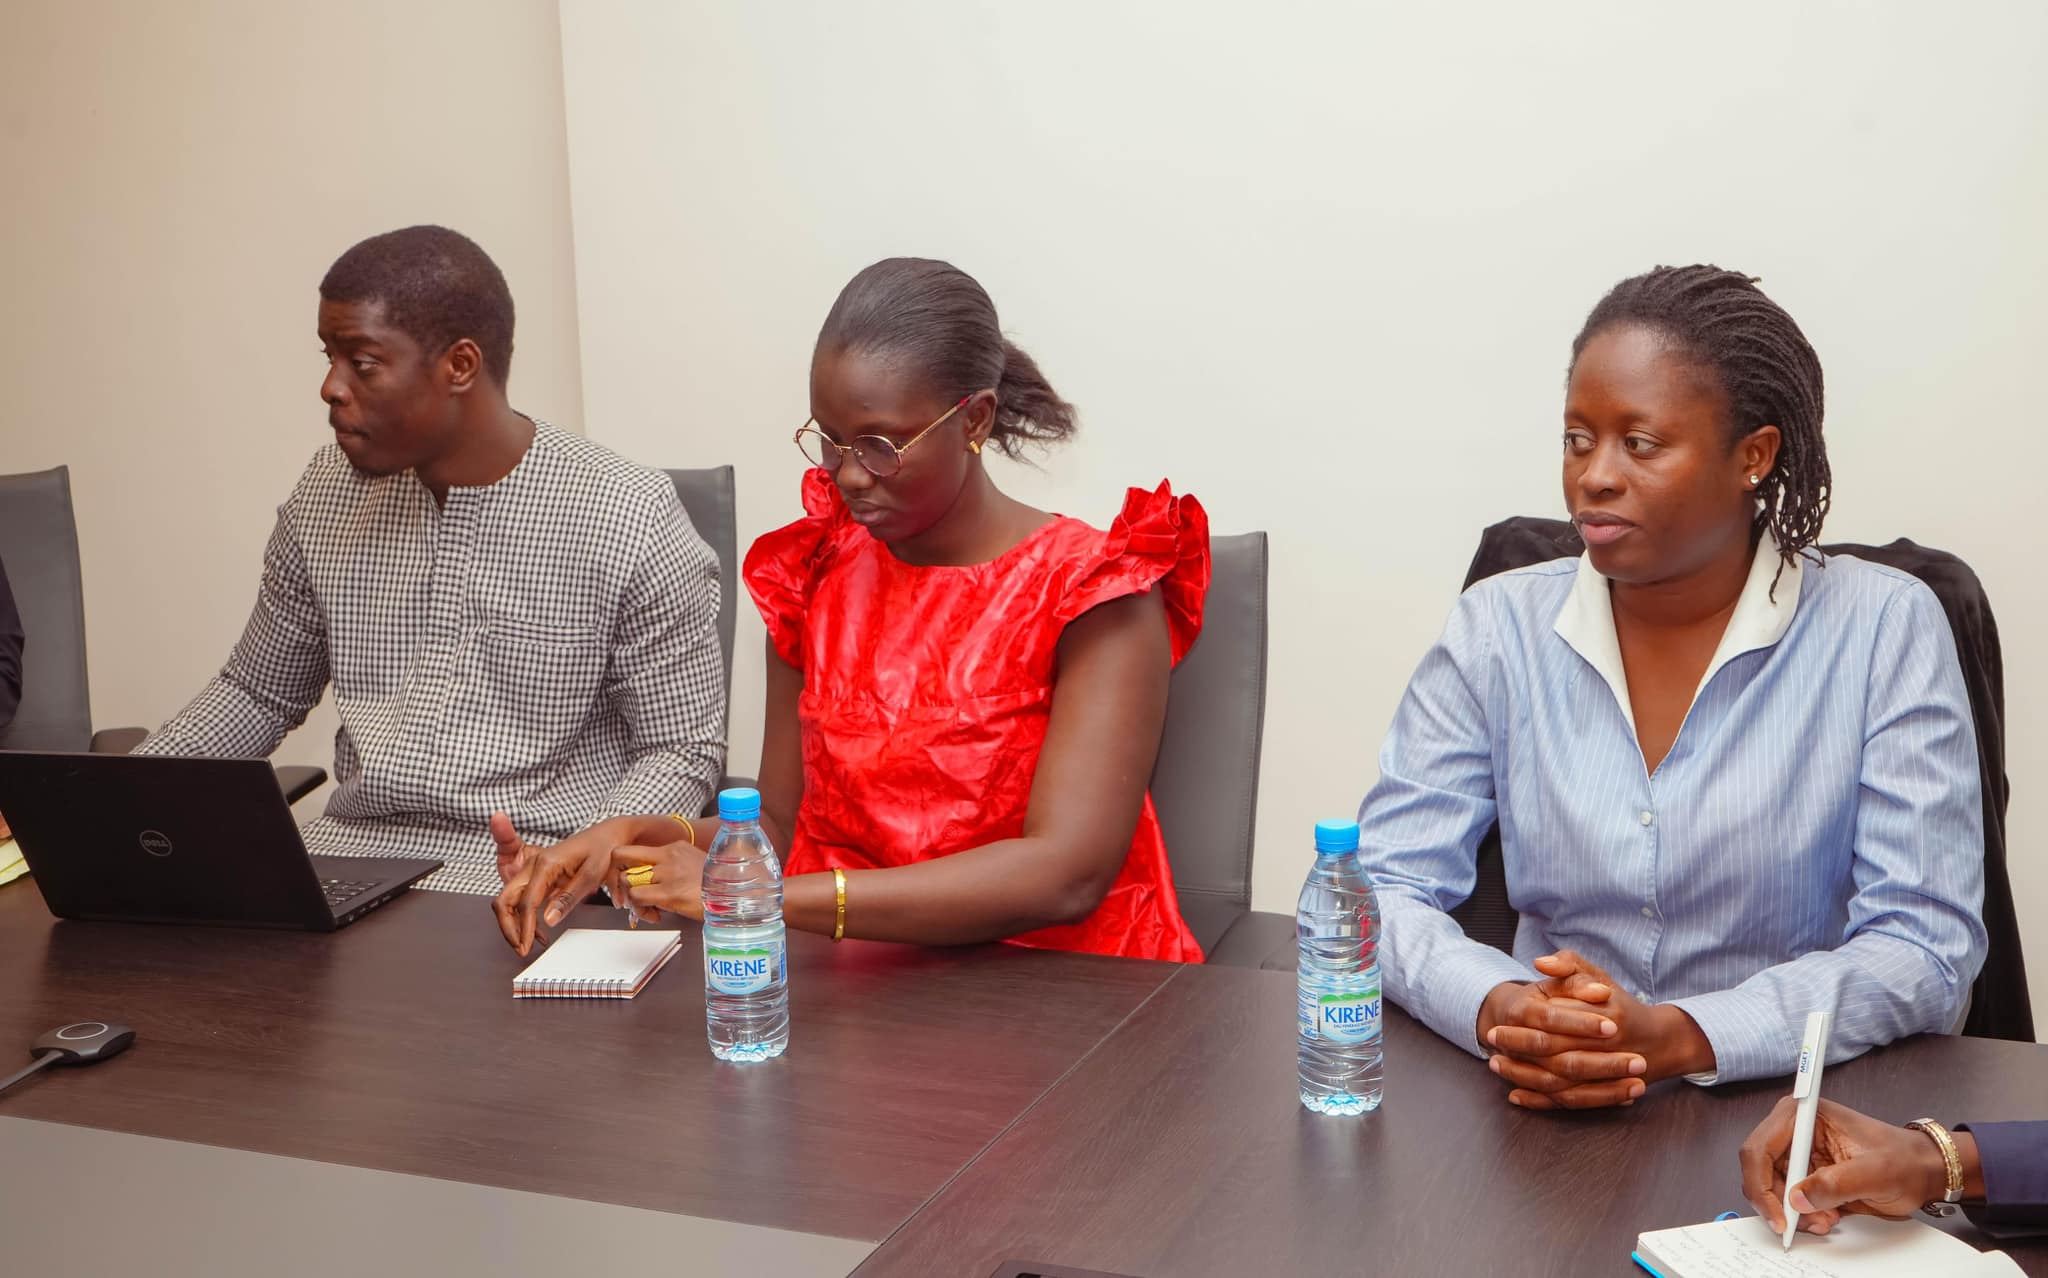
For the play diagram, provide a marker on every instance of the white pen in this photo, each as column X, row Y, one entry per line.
column 632, row 919
column 1813, row 1055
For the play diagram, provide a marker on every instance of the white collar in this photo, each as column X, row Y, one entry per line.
column 1586, row 621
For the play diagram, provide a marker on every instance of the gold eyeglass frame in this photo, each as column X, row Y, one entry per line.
column 810, row 427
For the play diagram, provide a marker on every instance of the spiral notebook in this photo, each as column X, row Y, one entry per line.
column 587, row 962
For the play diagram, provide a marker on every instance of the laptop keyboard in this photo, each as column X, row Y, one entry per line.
column 338, row 891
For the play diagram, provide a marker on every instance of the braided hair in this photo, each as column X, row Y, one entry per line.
column 1722, row 321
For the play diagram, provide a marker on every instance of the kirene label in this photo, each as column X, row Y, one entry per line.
column 747, row 969
column 1350, row 1018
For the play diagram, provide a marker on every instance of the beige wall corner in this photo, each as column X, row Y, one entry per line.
column 178, row 178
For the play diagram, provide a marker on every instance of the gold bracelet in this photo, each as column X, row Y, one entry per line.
column 1951, row 1161
column 839, row 913
column 688, row 829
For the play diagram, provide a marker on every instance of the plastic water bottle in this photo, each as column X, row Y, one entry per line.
column 746, row 973
column 1337, row 934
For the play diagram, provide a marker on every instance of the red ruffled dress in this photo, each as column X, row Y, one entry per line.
column 928, row 690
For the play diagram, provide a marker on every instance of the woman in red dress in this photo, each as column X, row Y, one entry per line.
column 965, row 694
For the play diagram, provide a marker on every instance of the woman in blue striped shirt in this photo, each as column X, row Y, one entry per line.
column 1735, row 782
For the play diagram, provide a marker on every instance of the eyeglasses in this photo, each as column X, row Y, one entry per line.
column 881, row 458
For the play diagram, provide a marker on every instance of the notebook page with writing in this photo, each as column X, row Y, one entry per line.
column 1857, row 1247
column 597, row 963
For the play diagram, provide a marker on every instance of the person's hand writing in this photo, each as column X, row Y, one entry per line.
column 1860, row 1166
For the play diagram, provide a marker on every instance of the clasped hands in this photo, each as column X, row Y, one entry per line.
column 1577, row 1040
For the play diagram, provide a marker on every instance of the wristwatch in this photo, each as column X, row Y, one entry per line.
column 1951, row 1163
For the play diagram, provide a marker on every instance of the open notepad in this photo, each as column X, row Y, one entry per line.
column 596, row 963
column 1857, row 1247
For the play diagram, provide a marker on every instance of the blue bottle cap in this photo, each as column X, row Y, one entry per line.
column 744, row 805
column 1336, row 836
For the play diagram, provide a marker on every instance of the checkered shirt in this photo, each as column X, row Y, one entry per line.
column 545, row 646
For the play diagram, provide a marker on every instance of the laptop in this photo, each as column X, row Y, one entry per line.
column 155, row 839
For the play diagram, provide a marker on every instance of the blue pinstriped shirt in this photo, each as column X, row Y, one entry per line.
column 1814, row 840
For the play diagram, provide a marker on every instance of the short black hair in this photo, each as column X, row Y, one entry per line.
column 1722, row 321
column 437, row 288
column 935, row 318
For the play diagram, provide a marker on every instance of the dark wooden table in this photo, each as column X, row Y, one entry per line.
column 1178, row 1148
column 396, row 1044
column 968, row 1106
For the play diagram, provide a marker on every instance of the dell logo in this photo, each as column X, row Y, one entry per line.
column 156, row 842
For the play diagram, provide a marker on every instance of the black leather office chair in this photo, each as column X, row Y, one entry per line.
column 2000, row 1006
column 39, row 542
column 1205, row 783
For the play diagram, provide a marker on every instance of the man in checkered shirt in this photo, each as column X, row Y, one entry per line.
column 513, row 619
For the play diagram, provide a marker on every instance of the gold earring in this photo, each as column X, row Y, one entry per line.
column 974, row 446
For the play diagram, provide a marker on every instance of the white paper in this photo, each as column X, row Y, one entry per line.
column 1857, row 1247
column 614, row 959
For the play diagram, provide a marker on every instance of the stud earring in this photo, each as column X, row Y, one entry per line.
column 974, row 446
column 1754, row 480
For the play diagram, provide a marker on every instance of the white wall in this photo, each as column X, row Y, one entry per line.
column 1317, row 263
column 178, row 177
column 1320, row 264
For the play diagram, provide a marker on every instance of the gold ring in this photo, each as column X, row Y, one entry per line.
column 640, row 875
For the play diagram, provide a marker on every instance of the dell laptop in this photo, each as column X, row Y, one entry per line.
column 155, row 839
